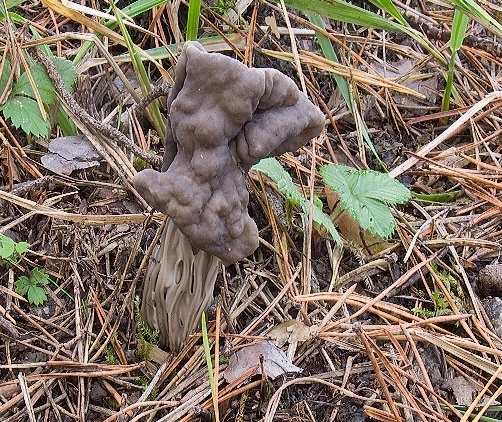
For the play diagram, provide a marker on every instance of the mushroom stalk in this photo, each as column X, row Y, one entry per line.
column 178, row 287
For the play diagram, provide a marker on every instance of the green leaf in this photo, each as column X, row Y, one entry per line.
column 329, row 52
column 32, row 287
column 39, row 277
column 67, row 71
column 390, row 8
column 22, row 247
column 24, row 113
column 44, row 85
column 36, row 295
column 472, row 9
column 13, row 3
column 458, row 30
column 22, row 285
column 319, row 217
column 4, row 77
column 7, row 247
column 273, row 169
column 192, row 31
column 343, row 11
column 365, row 195
column 152, row 110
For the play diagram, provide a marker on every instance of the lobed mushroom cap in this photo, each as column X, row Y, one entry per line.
column 223, row 117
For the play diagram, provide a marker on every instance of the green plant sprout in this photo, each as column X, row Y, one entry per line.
column 33, row 286
column 21, row 106
column 147, row 337
column 458, row 30
column 11, row 251
column 274, row 170
column 224, row 6
column 110, row 356
column 441, row 306
column 366, row 196
column 213, row 384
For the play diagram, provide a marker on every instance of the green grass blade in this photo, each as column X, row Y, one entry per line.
column 349, row 13
column 153, row 110
column 168, row 51
column 137, row 8
column 193, row 20
column 391, row 9
column 207, row 354
column 345, row 12
column 329, row 52
column 458, row 30
column 472, row 9
column 141, row 6
column 341, row 82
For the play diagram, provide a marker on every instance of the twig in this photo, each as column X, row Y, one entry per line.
column 26, row 396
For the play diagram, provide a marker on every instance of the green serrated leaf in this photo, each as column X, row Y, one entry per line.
column 22, row 247
column 365, row 183
column 67, row 71
column 22, row 285
column 7, row 247
column 32, row 287
column 44, row 85
column 25, row 114
column 36, row 295
column 372, row 215
column 4, row 77
column 365, row 195
column 273, row 169
column 39, row 277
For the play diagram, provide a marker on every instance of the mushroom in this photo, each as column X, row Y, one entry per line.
column 223, row 117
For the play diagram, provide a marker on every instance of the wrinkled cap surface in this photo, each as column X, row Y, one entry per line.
column 223, row 118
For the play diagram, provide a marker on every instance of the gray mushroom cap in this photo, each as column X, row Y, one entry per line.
column 223, row 117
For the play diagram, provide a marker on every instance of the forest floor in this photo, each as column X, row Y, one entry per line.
column 406, row 328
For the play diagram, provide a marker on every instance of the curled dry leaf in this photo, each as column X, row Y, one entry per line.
column 70, row 153
column 292, row 331
column 463, row 390
column 275, row 362
column 403, row 71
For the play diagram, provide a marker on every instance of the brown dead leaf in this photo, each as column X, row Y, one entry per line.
column 291, row 331
column 69, row 153
column 463, row 390
column 275, row 362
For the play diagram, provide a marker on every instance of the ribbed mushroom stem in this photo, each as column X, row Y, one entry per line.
column 178, row 287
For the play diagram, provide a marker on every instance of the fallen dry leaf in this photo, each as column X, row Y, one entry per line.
column 275, row 362
column 69, row 153
column 291, row 331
